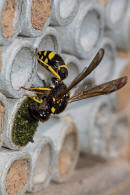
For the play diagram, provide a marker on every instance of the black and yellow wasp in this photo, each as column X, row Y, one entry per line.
column 54, row 99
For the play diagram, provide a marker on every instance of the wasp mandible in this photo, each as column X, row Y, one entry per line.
column 55, row 98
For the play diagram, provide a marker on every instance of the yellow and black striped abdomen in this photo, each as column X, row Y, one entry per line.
column 46, row 56
column 54, row 63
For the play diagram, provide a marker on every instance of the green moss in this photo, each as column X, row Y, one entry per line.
column 23, row 128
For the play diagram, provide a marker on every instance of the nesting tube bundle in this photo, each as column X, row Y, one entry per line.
column 18, row 129
column 10, row 26
column 17, row 67
column 49, row 40
column 42, row 158
column 82, row 37
column 98, row 126
column 63, row 11
column 107, row 132
column 120, row 33
column 37, row 15
column 63, row 133
column 34, row 17
column 104, row 72
column 14, row 172
column 86, row 124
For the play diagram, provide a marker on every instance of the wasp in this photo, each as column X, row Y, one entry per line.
column 55, row 98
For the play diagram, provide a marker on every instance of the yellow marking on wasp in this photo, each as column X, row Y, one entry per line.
column 45, row 52
column 51, row 55
column 40, row 88
column 44, row 89
column 34, row 98
column 47, row 89
column 49, row 67
column 40, row 52
column 42, row 57
column 46, row 60
column 60, row 100
column 53, row 109
column 38, row 101
column 52, row 70
column 62, row 66
column 53, row 99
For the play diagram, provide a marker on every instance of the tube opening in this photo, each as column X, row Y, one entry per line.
column 7, row 19
column 48, row 42
column 101, row 131
column 90, row 30
column 66, row 8
column 40, row 13
column 17, row 177
column 118, row 137
column 121, row 6
column 43, row 167
column 22, row 68
column 68, row 155
column 102, row 115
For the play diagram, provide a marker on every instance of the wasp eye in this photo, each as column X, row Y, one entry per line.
column 63, row 73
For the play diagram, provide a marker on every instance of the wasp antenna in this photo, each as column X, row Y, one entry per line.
column 35, row 51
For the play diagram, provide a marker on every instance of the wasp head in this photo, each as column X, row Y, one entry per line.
column 63, row 72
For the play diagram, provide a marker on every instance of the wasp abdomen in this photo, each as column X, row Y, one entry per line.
column 53, row 60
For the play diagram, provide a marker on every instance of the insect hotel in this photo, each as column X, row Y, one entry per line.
column 56, row 136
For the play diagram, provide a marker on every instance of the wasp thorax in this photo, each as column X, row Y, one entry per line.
column 57, row 104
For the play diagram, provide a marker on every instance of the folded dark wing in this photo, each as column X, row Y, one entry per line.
column 86, row 71
column 102, row 89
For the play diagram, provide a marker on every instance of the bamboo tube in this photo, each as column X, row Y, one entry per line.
column 65, row 139
column 17, row 67
column 10, row 25
column 42, row 159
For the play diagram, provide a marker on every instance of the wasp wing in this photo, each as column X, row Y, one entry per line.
column 102, row 89
column 86, row 71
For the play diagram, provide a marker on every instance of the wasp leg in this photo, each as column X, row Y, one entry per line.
column 48, row 67
column 34, row 98
column 38, row 90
